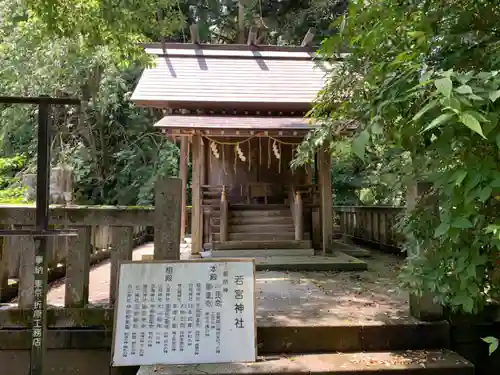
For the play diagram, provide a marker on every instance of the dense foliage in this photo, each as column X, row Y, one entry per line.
column 87, row 49
column 420, row 79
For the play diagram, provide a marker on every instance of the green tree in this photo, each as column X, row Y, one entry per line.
column 419, row 79
column 88, row 49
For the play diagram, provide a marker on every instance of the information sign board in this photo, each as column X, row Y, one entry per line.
column 185, row 312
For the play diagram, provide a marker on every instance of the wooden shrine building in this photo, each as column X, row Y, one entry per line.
column 239, row 110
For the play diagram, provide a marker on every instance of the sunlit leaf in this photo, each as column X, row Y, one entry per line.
column 471, row 122
column 360, row 142
column 444, row 86
column 494, row 95
column 464, row 89
column 440, row 120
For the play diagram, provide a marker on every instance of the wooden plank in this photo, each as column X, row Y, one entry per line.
column 26, row 246
column 122, row 248
column 183, row 174
column 77, row 269
column 196, row 212
column 167, row 239
column 325, row 175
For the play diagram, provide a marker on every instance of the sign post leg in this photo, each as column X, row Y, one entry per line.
column 39, row 329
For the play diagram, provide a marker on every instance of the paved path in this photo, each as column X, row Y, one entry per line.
column 298, row 298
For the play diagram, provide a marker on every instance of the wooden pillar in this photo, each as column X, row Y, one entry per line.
column 326, row 201
column 422, row 307
column 224, row 213
column 205, row 212
column 298, row 212
column 183, row 174
column 196, row 211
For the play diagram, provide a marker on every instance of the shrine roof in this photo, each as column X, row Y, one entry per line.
column 235, row 122
column 194, row 76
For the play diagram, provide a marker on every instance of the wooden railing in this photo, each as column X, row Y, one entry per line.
column 122, row 221
column 102, row 233
column 309, row 194
column 373, row 224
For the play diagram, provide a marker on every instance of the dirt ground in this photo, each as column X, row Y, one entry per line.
column 339, row 298
column 300, row 298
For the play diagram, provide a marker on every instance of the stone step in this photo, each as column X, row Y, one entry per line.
column 345, row 336
column 256, row 253
column 258, row 207
column 211, row 202
column 257, row 220
column 261, row 213
column 438, row 362
column 249, row 245
column 261, row 228
column 286, row 332
column 261, row 236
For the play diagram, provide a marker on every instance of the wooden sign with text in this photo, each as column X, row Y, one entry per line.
column 185, row 312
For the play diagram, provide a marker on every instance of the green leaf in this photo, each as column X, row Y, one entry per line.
column 441, row 229
column 416, row 34
column 359, row 144
column 445, row 117
column 461, row 223
column 471, row 122
column 493, row 344
column 494, row 95
column 489, row 339
column 444, row 86
column 459, row 177
column 485, row 193
column 426, row 108
column 473, row 180
column 464, row 89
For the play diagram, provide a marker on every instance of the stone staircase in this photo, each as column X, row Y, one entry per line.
column 398, row 348
column 259, row 231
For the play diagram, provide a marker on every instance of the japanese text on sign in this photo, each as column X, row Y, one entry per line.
column 37, row 303
column 185, row 312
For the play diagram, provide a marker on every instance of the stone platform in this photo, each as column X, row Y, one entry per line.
column 338, row 261
column 440, row 362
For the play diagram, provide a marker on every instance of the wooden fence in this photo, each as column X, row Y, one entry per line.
column 374, row 224
column 100, row 244
column 122, row 223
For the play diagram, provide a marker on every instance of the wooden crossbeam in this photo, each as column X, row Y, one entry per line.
column 252, row 36
column 195, row 35
column 308, row 38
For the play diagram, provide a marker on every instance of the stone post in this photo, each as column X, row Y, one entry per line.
column 61, row 185
column 167, row 237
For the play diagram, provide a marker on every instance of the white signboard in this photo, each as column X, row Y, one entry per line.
column 185, row 312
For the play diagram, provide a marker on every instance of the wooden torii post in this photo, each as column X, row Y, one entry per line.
column 41, row 232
